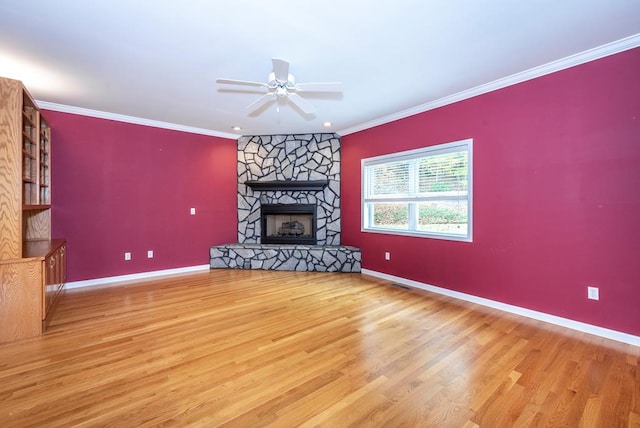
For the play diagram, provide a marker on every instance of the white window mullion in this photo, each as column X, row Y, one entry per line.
column 413, row 191
column 413, row 216
column 413, row 178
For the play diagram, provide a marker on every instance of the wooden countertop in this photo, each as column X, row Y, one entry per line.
column 40, row 248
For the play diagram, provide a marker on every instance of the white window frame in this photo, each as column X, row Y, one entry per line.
column 366, row 214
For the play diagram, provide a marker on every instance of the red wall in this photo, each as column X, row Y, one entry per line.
column 556, row 198
column 121, row 187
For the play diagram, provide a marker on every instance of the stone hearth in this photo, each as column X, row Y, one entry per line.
column 286, row 257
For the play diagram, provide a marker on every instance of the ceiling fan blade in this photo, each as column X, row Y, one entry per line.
column 260, row 102
column 281, row 69
column 319, row 87
column 301, row 103
column 240, row 82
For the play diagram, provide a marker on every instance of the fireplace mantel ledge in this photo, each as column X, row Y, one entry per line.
column 308, row 185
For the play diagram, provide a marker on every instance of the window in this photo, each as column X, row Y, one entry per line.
column 424, row 192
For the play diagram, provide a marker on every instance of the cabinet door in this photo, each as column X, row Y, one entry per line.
column 55, row 271
column 50, row 286
column 62, row 266
column 20, row 299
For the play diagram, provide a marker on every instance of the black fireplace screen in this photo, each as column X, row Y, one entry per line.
column 288, row 224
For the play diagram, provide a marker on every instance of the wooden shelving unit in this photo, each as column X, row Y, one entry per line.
column 32, row 265
column 44, row 177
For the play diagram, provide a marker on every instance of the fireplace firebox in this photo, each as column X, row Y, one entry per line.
column 288, row 224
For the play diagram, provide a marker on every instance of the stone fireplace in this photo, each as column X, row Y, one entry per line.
column 288, row 206
column 289, row 169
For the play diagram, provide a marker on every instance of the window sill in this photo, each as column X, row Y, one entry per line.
column 412, row 234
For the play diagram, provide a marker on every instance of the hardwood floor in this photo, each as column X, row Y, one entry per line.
column 287, row 349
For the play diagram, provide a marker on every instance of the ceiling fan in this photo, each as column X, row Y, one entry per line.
column 283, row 85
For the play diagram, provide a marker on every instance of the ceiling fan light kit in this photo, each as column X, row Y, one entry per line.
column 281, row 84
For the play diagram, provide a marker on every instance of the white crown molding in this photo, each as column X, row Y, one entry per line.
column 570, row 61
column 551, row 67
column 135, row 276
column 540, row 316
column 132, row 119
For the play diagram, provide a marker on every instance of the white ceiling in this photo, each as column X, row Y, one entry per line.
column 158, row 60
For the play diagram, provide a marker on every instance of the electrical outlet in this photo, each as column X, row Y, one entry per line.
column 593, row 293
column 387, row 255
column 193, row 211
column 150, row 254
column 127, row 256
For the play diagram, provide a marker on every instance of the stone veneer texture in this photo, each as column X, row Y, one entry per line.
column 289, row 158
column 286, row 257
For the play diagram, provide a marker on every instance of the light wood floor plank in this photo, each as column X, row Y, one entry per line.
column 285, row 349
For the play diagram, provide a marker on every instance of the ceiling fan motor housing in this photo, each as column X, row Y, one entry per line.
column 282, row 88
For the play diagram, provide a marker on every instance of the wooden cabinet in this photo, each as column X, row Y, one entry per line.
column 51, row 254
column 32, row 266
column 20, row 299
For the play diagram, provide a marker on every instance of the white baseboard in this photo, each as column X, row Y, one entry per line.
column 540, row 316
column 135, row 276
